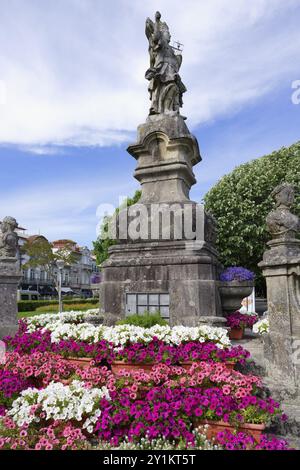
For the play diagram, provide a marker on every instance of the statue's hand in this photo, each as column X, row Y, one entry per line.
column 150, row 73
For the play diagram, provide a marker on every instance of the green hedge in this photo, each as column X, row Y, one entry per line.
column 32, row 305
column 67, row 306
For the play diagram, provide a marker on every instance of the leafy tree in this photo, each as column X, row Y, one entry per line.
column 241, row 201
column 40, row 254
column 102, row 244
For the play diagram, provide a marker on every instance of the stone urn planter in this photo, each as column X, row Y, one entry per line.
column 118, row 366
column 232, row 293
column 214, row 427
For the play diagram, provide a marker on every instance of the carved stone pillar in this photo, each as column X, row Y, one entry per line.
column 281, row 268
column 10, row 276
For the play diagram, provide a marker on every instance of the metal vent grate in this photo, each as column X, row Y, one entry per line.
column 139, row 303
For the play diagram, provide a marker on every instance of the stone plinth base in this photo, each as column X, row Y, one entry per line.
column 281, row 268
column 282, row 364
column 9, row 279
column 8, row 330
column 213, row 321
column 187, row 273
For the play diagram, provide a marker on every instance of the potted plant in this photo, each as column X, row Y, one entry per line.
column 235, row 284
column 214, row 427
column 237, row 322
column 140, row 356
column 249, row 418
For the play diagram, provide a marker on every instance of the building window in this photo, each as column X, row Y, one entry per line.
column 32, row 274
column 140, row 303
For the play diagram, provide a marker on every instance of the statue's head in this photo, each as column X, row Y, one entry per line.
column 284, row 195
column 9, row 223
column 157, row 16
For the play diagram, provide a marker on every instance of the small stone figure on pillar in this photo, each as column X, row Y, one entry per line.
column 281, row 222
column 166, row 87
column 8, row 238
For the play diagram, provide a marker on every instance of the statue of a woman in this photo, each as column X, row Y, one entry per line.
column 165, row 87
column 8, row 238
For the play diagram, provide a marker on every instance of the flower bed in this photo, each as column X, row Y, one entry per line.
column 128, row 343
column 49, row 401
column 167, row 402
column 40, row 321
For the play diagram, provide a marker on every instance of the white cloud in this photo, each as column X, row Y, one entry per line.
column 63, row 210
column 73, row 71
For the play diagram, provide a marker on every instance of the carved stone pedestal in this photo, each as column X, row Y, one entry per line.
column 281, row 268
column 10, row 276
column 164, row 261
column 186, row 277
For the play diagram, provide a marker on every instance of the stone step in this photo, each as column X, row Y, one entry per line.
column 252, row 343
column 289, row 429
column 293, row 441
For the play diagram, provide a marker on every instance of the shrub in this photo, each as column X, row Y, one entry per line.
column 147, row 320
column 32, row 305
column 74, row 307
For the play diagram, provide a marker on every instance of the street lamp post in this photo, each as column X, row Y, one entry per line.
column 60, row 264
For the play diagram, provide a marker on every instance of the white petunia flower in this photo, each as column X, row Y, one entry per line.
column 59, row 402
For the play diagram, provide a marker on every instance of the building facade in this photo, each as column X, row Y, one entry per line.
column 77, row 277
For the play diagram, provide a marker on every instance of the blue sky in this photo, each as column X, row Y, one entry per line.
column 72, row 92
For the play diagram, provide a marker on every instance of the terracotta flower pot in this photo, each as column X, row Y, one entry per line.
column 66, row 381
column 187, row 365
column 79, row 361
column 214, row 427
column 236, row 333
column 230, row 365
column 117, row 366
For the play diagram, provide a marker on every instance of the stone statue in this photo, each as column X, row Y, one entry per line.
column 8, row 238
column 281, row 222
column 166, row 87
